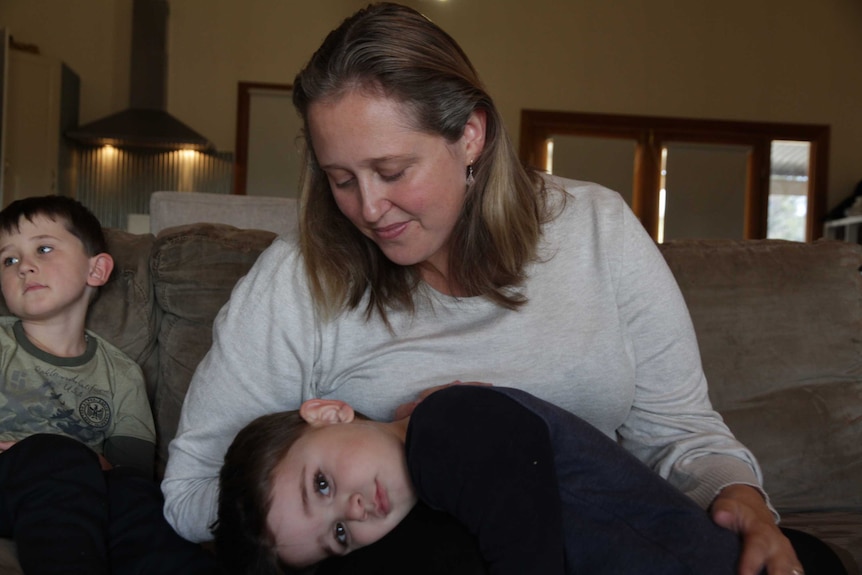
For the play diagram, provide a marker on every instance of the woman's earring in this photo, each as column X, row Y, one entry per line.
column 470, row 179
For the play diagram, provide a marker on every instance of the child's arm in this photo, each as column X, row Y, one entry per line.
column 132, row 442
column 487, row 460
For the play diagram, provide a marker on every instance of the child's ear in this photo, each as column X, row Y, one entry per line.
column 325, row 411
column 101, row 266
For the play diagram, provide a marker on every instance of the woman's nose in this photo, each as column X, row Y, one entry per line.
column 373, row 200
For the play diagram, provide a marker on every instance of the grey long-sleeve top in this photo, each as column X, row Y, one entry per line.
column 605, row 334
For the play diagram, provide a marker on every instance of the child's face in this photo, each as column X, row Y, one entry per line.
column 44, row 269
column 340, row 487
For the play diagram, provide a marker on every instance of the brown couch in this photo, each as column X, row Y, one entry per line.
column 779, row 326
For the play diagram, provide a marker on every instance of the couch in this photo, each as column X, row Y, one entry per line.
column 779, row 326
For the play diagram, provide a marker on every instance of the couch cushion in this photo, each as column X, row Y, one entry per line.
column 194, row 269
column 125, row 312
column 779, row 326
column 809, row 442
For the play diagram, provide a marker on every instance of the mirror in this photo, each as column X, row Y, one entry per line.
column 267, row 156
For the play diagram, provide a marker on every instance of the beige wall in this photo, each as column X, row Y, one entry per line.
column 771, row 60
column 93, row 37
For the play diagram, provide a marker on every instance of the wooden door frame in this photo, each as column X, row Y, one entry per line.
column 651, row 133
column 243, row 120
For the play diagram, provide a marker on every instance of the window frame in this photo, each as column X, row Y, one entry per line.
column 651, row 133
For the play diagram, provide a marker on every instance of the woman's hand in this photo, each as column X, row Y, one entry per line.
column 742, row 509
column 406, row 409
column 4, row 445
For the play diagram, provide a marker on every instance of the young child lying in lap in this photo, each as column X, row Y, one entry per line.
column 543, row 491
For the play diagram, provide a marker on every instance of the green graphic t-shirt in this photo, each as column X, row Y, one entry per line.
column 92, row 397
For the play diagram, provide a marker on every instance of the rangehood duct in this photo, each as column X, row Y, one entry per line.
column 146, row 123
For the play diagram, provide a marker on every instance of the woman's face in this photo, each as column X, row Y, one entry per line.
column 402, row 188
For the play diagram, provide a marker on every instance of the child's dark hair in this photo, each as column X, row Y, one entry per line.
column 244, row 543
column 79, row 221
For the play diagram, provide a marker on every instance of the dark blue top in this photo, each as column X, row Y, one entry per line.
column 545, row 493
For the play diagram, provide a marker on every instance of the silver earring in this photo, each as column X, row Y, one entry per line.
column 470, row 179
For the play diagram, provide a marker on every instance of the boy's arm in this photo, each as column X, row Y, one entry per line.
column 132, row 441
column 487, row 460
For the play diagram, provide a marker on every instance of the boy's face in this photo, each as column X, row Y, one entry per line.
column 44, row 270
column 340, row 487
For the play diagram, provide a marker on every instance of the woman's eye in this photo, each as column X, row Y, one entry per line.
column 345, row 181
column 44, row 249
column 340, row 533
column 10, row 261
column 392, row 177
column 321, row 484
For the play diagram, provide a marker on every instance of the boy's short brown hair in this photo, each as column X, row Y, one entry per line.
column 244, row 543
column 79, row 221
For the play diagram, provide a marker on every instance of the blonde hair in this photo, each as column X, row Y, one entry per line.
column 396, row 52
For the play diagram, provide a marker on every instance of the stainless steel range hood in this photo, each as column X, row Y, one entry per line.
column 146, row 123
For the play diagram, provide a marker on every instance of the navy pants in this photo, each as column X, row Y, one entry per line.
column 69, row 517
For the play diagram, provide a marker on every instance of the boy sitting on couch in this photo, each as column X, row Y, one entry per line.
column 543, row 491
column 73, row 405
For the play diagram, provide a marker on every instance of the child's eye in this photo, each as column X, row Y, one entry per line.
column 44, row 249
column 10, row 261
column 340, row 533
column 321, row 484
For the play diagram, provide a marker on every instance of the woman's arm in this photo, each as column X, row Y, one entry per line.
column 672, row 425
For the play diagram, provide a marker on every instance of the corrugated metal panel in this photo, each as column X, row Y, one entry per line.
column 113, row 182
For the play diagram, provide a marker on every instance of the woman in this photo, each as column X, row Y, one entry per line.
column 426, row 254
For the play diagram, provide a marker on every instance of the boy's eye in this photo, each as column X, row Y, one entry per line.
column 321, row 484
column 44, row 249
column 10, row 261
column 340, row 533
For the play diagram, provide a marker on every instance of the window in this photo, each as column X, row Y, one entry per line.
column 682, row 147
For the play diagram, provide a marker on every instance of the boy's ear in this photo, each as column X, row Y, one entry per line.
column 101, row 266
column 318, row 412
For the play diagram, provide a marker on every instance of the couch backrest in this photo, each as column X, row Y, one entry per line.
column 169, row 209
column 779, row 325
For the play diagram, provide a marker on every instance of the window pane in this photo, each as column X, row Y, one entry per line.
column 605, row 161
column 788, row 190
column 705, row 191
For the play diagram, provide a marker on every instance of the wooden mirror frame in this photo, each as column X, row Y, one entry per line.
column 243, row 119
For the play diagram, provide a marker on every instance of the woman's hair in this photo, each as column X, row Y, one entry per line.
column 244, row 543
column 395, row 52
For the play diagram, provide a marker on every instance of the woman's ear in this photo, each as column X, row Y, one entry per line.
column 317, row 412
column 101, row 266
column 474, row 134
